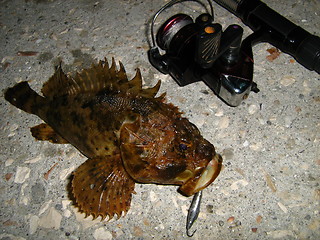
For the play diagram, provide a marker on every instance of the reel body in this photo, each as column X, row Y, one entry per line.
column 200, row 51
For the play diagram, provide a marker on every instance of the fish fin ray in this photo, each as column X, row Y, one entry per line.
column 44, row 132
column 151, row 92
column 135, row 84
column 99, row 77
column 102, row 187
column 57, row 84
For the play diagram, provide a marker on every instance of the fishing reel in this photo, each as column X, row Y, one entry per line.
column 199, row 50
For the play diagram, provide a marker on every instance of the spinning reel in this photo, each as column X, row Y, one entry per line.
column 200, row 50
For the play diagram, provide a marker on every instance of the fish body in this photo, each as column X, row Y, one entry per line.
column 128, row 135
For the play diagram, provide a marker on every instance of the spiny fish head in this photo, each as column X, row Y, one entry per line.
column 169, row 152
column 203, row 163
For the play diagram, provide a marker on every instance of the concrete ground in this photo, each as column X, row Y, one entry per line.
column 269, row 186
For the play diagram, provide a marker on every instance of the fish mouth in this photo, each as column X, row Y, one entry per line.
column 203, row 178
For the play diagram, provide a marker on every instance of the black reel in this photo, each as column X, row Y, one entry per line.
column 200, row 51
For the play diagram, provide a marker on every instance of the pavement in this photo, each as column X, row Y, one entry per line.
column 269, row 185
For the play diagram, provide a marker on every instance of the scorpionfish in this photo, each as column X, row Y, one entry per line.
column 127, row 133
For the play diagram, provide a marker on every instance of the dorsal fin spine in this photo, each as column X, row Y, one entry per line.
column 99, row 77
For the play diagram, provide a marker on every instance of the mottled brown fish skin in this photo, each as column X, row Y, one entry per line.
column 90, row 128
column 23, row 97
column 127, row 133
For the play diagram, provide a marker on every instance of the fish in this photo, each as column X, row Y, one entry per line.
column 193, row 212
column 128, row 134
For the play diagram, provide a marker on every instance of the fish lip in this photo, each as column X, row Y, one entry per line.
column 210, row 173
column 204, row 178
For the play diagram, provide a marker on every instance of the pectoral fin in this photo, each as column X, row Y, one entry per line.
column 44, row 132
column 102, row 187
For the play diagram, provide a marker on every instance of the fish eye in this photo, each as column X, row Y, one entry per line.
column 183, row 147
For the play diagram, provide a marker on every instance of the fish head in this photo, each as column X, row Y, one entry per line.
column 203, row 164
column 165, row 151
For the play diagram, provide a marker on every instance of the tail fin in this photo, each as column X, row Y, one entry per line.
column 23, row 97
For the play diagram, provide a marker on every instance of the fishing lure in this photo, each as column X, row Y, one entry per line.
column 193, row 212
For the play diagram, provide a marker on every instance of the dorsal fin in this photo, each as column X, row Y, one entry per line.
column 99, row 77
column 151, row 92
column 135, row 85
column 55, row 83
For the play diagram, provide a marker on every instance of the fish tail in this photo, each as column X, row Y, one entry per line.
column 23, row 97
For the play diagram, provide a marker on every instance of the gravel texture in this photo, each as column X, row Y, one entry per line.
column 269, row 186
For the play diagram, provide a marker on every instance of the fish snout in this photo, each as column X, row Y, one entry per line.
column 203, row 178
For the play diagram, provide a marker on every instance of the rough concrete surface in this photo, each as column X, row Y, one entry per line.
column 269, row 186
